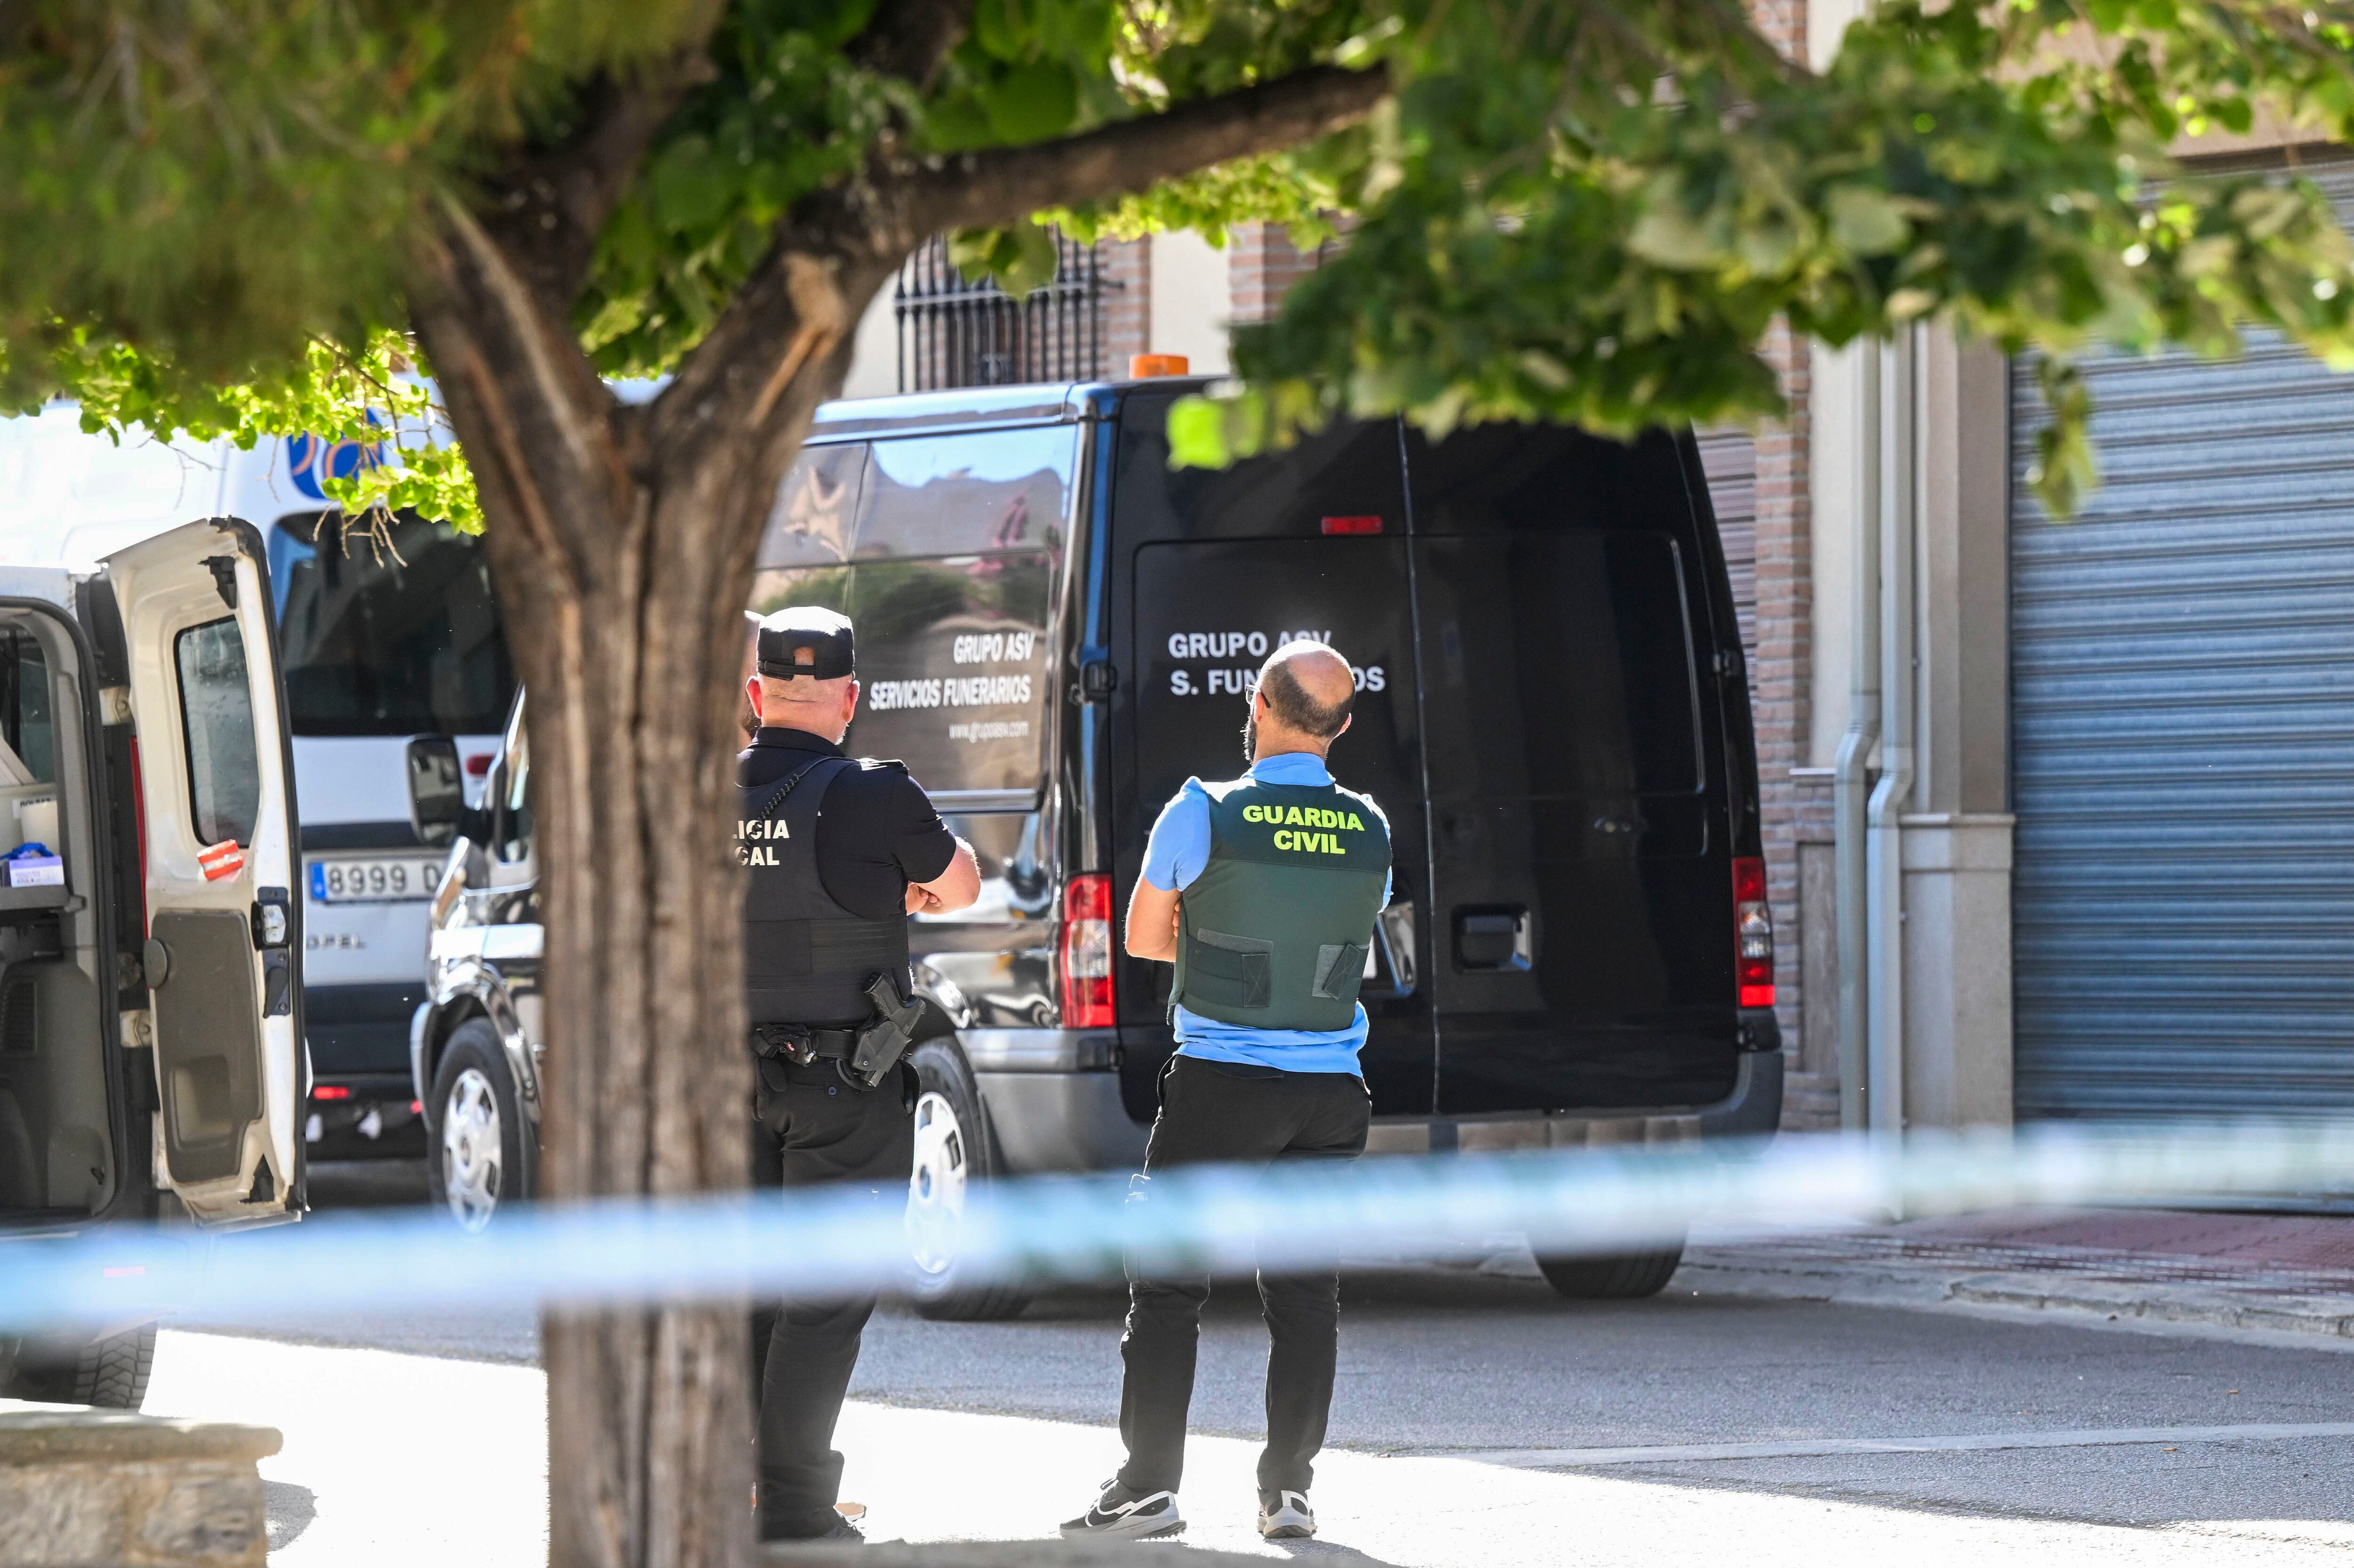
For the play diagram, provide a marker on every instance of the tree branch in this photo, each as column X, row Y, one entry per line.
column 911, row 38
column 546, row 208
column 980, row 189
column 796, row 310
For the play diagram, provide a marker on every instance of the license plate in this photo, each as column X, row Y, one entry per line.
column 372, row 879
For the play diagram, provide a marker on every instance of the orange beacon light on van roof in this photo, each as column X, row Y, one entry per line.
column 1144, row 366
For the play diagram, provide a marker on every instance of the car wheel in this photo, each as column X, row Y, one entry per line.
column 1612, row 1277
column 111, row 1373
column 952, row 1152
column 480, row 1153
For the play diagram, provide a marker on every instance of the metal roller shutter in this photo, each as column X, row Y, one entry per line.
column 2183, row 746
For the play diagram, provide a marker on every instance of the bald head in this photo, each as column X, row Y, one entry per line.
column 1304, row 697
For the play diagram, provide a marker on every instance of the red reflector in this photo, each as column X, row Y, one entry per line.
column 417, row 1107
column 1352, row 524
column 1083, row 960
column 478, row 765
column 330, row 1092
column 1757, row 996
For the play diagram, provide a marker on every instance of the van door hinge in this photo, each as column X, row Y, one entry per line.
column 1727, row 663
column 1097, row 680
column 114, row 704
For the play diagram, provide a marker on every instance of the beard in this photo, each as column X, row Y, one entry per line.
column 1250, row 736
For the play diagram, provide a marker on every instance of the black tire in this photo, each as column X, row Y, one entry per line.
column 110, row 1374
column 1612, row 1277
column 472, row 1086
column 949, row 1123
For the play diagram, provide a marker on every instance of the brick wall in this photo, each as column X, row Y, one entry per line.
column 1262, row 266
column 1796, row 817
column 1127, row 303
column 1796, row 809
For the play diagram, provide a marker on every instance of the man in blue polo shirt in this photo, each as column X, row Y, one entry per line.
column 1263, row 891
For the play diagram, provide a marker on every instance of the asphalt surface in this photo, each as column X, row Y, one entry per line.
column 1462, row 1364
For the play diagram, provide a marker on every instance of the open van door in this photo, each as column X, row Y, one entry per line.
column 219, row 836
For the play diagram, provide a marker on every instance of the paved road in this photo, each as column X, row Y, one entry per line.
column 2012, row 1420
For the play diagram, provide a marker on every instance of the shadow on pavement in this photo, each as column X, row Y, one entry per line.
column 288, row 1510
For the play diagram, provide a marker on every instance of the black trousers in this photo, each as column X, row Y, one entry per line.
column 1211, row 1114
column 812, row 1127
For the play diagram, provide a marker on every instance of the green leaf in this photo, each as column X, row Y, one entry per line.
column 689, row 186
column 1197, row 434
column 1032, row 103
column 1865, row 221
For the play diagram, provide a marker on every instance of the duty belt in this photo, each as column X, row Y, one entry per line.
column 800, row 1044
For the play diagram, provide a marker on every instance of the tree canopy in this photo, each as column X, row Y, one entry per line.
column 1564, row 209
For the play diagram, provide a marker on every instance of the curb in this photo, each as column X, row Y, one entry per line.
column 83, row 1488
column 1045, row 1553
column 2270, row 1312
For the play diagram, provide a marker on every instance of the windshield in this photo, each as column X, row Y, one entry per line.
column 398, row 637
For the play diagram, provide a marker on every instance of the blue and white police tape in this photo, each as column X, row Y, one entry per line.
column 1044, row 1229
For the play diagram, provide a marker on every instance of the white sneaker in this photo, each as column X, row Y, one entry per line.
column 1286, row 1516
column 1118, row 1511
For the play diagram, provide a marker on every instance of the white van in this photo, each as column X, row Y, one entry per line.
column 380, row 645
column 151, row 937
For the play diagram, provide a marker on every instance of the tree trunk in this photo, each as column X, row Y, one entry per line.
column 621, row 542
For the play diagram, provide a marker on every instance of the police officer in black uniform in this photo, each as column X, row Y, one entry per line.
column 839, row 851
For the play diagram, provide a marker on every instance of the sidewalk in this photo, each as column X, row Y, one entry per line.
column 394, row 1460
column 2258, row 1273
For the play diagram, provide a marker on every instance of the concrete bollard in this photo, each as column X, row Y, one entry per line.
column 111, row 1488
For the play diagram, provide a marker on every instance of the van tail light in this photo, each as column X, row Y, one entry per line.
column 1084, row 952
column 1753, row 933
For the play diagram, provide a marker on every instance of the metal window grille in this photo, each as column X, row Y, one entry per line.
column 958, row 331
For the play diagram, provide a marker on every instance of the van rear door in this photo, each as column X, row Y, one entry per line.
column 221, row 959
column 1584, row 955
column 1220, row 569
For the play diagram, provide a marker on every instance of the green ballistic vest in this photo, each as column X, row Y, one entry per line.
column 1273, row 934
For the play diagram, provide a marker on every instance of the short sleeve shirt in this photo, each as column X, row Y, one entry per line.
column 1174, row 856
column 877, row 830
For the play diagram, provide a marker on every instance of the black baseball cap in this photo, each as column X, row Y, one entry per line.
column 825, row 632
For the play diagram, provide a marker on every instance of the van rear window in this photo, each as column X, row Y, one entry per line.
column 397, row 638
column 1560, row 664
column 217, row 719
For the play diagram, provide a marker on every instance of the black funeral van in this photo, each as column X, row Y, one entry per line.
column 1056, row 627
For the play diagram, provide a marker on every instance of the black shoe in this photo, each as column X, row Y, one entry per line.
column 1123, row 1512
column 1284, row 1516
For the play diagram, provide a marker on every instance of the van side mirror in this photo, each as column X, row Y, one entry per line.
column 436, row 791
